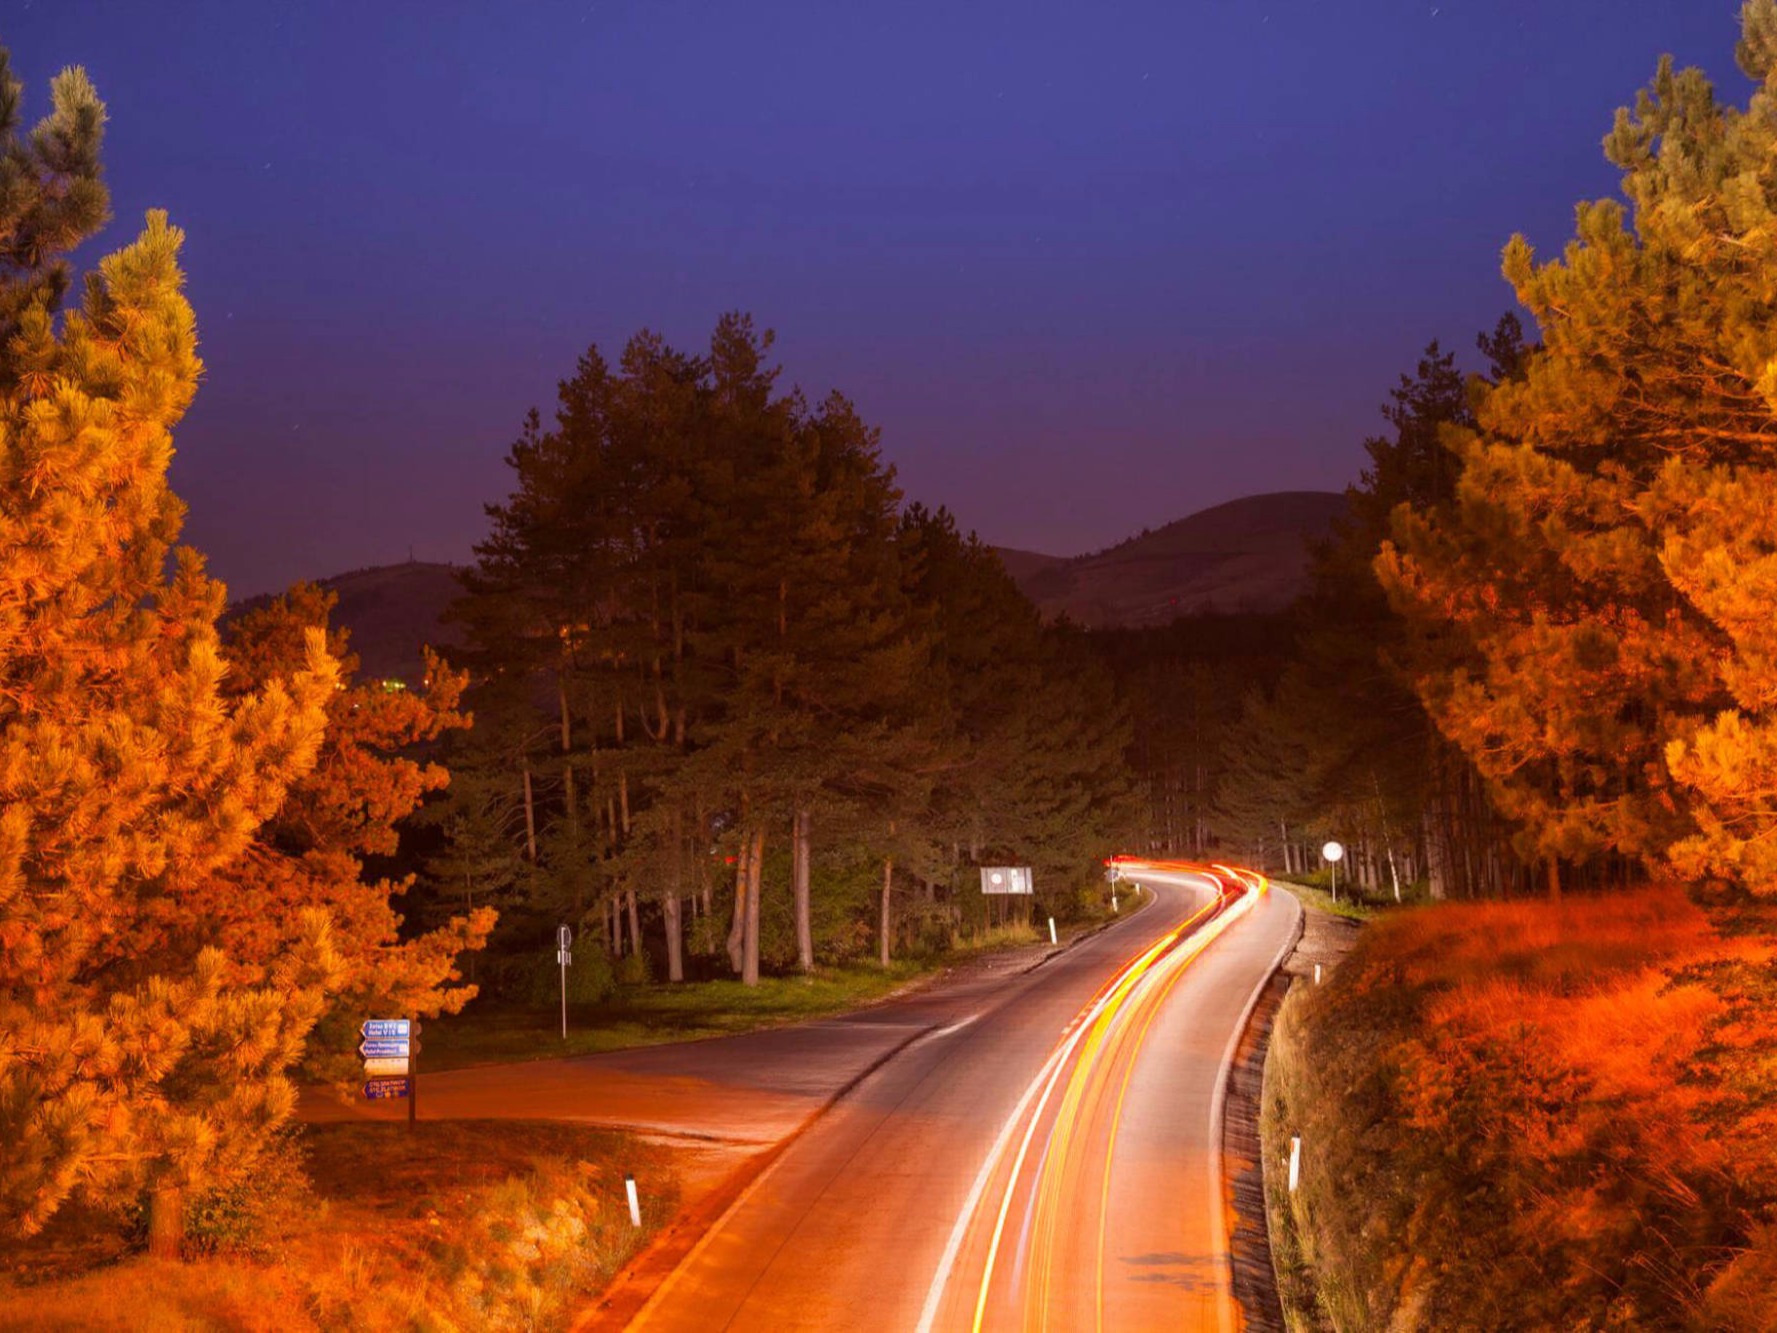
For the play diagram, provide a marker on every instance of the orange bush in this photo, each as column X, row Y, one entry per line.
column 1530, row 1114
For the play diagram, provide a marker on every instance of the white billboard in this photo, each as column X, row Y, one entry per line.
column 1006, row 879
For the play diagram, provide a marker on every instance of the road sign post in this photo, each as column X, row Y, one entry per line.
column 1334, row 853
column 563, row 939
column 390, row 1048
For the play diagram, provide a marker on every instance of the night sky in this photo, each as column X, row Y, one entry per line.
column 1090, row 267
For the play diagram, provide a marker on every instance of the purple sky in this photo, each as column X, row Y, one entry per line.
column 1091, row 266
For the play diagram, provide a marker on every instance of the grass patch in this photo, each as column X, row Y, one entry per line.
column 457, row 1224
column 1322, row 901
column 1520, row 1116
column 654, row 1014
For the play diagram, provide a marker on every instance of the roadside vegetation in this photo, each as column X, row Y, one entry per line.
column 651, row 1014
column 1527, row 1115
column 657, row 1013
column 457, row 1224
column 1354, row 904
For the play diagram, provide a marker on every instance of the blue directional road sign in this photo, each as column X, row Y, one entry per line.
column 384, row 1029
column 376, row 1088
column 383, row 1048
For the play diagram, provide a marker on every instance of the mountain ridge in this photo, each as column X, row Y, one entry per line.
column 1247, row 555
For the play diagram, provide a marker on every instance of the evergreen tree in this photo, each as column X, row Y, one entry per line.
column 336, row 820
column 127, row 777
column 1592, row 590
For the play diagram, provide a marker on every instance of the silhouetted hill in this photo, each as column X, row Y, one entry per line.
column 1249, row 555
column 1022, row 565
column 392, row 611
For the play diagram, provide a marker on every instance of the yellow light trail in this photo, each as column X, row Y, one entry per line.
column 1112, row 1029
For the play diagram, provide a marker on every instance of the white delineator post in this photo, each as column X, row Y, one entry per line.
column 635, row 1204
column 1295, row 1162
column 1317, row 974
column 1052, row 938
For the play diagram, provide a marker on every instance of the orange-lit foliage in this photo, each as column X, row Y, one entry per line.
column 127, row 775
column 1596, row 602
column 1515, row 1122
column 311, row 854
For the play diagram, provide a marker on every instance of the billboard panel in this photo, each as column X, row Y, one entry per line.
column 1006, row 879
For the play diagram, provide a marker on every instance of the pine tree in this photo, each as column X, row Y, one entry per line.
column 313, row 853
column 127, row 778
column 1591, row 592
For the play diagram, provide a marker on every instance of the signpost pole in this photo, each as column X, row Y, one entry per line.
column 413, row 1075
column 563, row 939
column 1334, row 852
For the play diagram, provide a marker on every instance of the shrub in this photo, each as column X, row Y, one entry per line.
column 1503, row 1125
column 634, row 970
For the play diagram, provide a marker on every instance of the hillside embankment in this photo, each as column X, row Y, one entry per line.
column 1530, row 1115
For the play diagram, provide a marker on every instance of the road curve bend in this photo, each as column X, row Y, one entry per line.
column 1046, row 1157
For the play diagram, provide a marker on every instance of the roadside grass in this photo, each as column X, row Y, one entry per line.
column 654, row 1014
column 1518, row 1115
column 457, row 1224
column 1316, row 897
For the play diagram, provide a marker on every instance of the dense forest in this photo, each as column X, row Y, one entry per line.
column 739, row 705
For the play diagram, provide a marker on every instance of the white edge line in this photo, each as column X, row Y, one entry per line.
column 1218, row 1217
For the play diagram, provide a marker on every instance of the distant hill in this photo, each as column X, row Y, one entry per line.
column 1022, row 565
column 392, row 611
column 1247, row 555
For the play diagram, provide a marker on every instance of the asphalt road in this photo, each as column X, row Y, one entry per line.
column 1043, row 1154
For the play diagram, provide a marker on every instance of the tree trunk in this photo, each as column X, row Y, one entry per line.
column 737, row 928
column 749, row 968
column 166, row 1221
column 799, row 881
column 887, row 920
column 635, row 925
column 530, row 816
column 1554, row 879
column 669, row 907
column 572, row 803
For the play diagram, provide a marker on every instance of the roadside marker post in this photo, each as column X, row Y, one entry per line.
column 635, row 1204
column 563, row 939
column 1295, row 1162
column 1317, row 974
column 1334, row 852
column 1052, row 938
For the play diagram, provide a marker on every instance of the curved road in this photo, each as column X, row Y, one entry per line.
column 1047, row 1157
